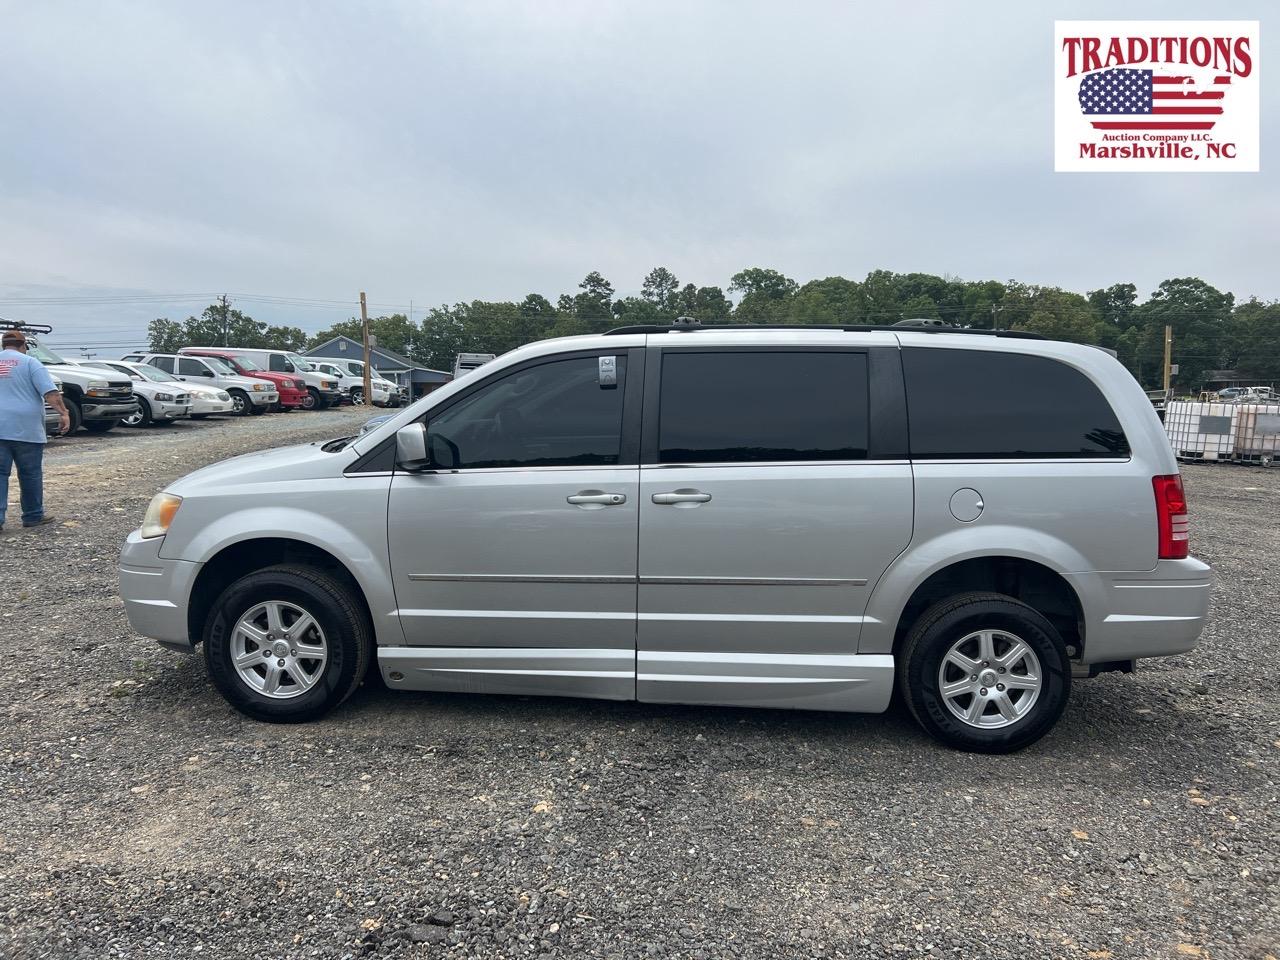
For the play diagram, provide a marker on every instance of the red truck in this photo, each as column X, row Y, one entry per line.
column 293, row 391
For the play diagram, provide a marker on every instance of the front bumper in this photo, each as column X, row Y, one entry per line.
column 331, row 397
column 212, row 406
column 263, row 398
column 170, row 410
column 292, row 398
column 108, row 411
column 1155, row 613
column 155, row 591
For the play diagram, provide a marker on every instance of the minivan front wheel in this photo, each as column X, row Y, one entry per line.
column 287, row 644
column 984, row 672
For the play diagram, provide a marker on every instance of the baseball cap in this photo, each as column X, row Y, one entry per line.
column 13, row 338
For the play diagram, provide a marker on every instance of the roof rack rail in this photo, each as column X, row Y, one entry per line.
column 25, row 327
column 909, row 327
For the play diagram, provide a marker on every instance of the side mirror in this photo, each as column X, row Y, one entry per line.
column 411, row 447
column 206, row 373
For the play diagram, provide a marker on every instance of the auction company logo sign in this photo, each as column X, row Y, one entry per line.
column 1144, row 95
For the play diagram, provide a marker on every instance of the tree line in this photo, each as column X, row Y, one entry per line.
column 1210, row 329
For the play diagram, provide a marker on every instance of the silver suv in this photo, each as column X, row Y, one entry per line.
column 799, row 518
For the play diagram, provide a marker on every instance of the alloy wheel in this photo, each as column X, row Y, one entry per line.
column 278, row 649
column 990, row 679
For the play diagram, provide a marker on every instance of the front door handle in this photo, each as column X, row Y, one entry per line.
column 595, row 498
column 682, row 496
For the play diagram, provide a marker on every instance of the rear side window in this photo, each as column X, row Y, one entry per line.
column 760, row 406
column 974, row 404
column 164, row 363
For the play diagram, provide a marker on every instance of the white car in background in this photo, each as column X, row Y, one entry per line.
column 157, row 403
column 205, row 400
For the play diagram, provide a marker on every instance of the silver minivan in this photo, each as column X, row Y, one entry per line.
column 793, row 518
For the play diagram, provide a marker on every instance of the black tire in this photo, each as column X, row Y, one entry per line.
column 75, row 414
column 948, row 621
column 198, row 416
column 100, row 426
column 258, row 409
column 336, row 610
column 142, row 418
column 241, row 404
column 312, row 400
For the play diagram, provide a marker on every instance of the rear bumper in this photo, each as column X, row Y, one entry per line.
column 1155, row 613
column 155, row 591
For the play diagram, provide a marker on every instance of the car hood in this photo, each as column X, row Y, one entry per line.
column 283, row 464
column 74, row 374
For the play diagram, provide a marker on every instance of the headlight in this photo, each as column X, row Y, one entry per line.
column 327, row 384
column 160, row 513
column 98, row 388
column 259, row 386
column 164, row 397
column 223, row 395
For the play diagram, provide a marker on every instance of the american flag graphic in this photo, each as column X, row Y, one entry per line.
column 1145, row 100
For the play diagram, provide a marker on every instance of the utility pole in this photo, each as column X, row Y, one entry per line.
column 364, row 326
column 226, row 319
column 1168, row 356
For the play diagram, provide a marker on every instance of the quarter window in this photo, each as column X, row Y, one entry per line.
column 554, row 414
column 751, row 406
column 976, row 404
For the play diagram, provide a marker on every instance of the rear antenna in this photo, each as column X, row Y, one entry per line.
column 684, row 323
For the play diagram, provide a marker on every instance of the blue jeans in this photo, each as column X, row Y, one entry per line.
column 30, row 459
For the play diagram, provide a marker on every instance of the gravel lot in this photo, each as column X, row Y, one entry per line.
column 141, row 817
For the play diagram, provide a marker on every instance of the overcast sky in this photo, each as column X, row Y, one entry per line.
column 444, row 152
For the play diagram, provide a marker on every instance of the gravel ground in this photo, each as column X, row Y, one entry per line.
column 141, row 817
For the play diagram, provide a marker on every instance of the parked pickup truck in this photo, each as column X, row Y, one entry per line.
column 52, row 419
column 96, row 399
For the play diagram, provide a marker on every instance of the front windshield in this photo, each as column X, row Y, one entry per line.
column 153, row 373
column 43, row 354
column 298, row 363
column 220, row 366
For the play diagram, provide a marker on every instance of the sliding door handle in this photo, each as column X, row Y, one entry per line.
column 596, row 498
column 681, row 496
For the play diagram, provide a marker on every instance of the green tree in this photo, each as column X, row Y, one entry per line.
column 766, row 295
column 661, row 290
column 164, row 335
column 1200, row 316
column 704, row 304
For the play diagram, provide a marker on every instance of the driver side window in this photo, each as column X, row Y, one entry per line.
column 554, row 414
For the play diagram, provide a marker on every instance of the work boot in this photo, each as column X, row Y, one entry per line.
column 38, row 523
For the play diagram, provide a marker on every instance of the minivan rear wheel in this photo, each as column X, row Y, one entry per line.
column 984, row 672
column 287, row 644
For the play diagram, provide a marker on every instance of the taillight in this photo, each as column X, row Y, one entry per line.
column 1171, row 517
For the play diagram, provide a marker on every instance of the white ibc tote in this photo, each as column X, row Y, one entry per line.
column 1201, row 431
